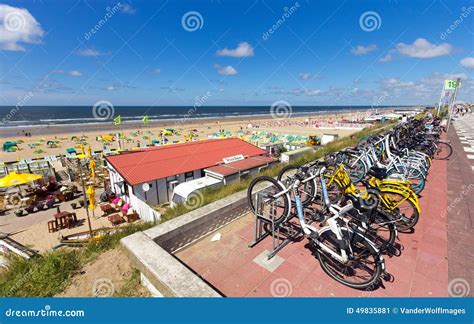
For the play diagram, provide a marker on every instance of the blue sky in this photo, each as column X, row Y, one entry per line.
column 317, row 53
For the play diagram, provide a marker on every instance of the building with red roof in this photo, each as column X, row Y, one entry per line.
column 152, row 173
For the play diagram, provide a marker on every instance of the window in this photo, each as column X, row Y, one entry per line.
column 189, row 176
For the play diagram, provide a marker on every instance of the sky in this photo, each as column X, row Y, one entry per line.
column 152, row 53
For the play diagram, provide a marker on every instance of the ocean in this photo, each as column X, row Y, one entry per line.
column 28, row 116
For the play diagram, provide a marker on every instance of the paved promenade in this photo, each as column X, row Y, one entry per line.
column 461, row 203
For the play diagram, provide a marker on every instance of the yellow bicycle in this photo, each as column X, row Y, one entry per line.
column 394, row 197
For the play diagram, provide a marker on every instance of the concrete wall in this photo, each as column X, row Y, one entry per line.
column 152, row 251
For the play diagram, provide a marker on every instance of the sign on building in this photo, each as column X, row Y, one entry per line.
column 234, row 158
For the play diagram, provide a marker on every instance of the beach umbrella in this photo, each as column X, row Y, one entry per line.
column 16, row 179
column 91, row 197
column 89, row 152
column 92, row 166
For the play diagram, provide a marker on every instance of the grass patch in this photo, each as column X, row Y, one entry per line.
column 49, row 274
column 209, row 196
column 131, row 286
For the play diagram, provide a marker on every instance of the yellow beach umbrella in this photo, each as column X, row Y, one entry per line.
column 92, row 165
column 89, row 151
column 91, row 196
column 82, row 150
column 15, row 179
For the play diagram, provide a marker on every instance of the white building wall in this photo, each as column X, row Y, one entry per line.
column 146, row 213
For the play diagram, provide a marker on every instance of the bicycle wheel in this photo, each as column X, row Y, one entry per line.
column 443, row 151
column 402, row 209
column 273, row 207
column 362, row 271
column 385, row 231
column 381, row 231
column 307, row 189
column 415, row 176
column 356, row 169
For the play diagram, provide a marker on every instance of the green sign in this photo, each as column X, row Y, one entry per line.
column 450, row 84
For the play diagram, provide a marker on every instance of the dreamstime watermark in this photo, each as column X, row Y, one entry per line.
column 47, row 311
column 20, row 103
column 199, row 102
column 110, row 12
column 459, row 287
column 287, row 13
column 281, row 109
column 369, row 199
column 19, row 283
column 281, row 287
column 462, row 195
column 192, row 21
column 103, row 288
column 194, row 200
column 370, row 21
column 466, row 12
column 14, row 21
column 103, row 110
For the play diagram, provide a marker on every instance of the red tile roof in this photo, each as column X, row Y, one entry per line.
column 242, row 165
column 163, row 161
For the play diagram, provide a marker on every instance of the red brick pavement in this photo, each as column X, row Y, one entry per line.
column 420, row 270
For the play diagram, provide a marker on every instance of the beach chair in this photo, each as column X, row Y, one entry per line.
column 52, row 226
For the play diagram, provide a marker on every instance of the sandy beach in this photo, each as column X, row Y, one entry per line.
column 138, row 134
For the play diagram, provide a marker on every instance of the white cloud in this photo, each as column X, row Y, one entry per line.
column 225, row 70
column 467, row 62
column 243, row 50
column 88, row 52
column 396, row 84
column 363, row 50
column 386, row 58
column 75, row 73
column 128, row 9
column 421, row 48
column 17, row 25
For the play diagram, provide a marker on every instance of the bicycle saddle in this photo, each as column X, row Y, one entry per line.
column 379, row 173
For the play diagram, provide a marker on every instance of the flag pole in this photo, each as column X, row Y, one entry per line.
column 440, row 99
column 453, row 99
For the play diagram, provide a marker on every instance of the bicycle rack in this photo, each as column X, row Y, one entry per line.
column 282, row 232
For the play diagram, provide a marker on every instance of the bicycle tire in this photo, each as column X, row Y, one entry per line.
column 448, row 147
column 365, row 247
column 407, row 222
column 308, row 189
column 277, row 187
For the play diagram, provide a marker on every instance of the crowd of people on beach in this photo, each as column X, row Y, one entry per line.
column 304, row 123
